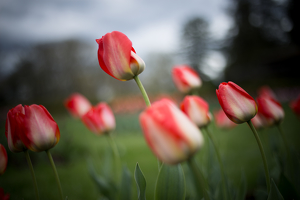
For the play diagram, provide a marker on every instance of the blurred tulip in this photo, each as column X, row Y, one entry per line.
column 295, row 105
column 185, row 78
column 266, row 91
column 41, row 132
column 258, row 121
column 100, row 119
column 77, row 105
column 14, row 128
column 169, row 133
column 3, row 159
column 222, row 121
column 270, row 109
column 117, row 57
column 237, row 104
column 197, row 110
column 3, row 196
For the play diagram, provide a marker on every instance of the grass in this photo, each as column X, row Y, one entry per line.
column 238, row 148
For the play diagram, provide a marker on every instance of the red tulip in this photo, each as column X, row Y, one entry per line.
column 14, row 128
column 3, row 196
column 3, row 159
column 118, row 58
column 77, row 105
column 197, row 110
column 41, row 132
column 185, row 78
column 270, row 109
column 169, row 133
column 259, row 121
column 100, row 119
column 266, row 92
column 222, row 121
column 237, row 104
column 295, row 105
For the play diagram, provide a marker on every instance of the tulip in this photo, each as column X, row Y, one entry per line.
column 169, row 133
column 41, row 132
column 197, row 110
column 266, row 91
column 3, row 159
column 270, row 109
column 100, row 119
column 237, row 104
column 258, row 121
column 77, row 105
column 222, row 121
column 14, row 128
column 3, row 196
column 185, row 78
column 118, row 58
column 295, row 105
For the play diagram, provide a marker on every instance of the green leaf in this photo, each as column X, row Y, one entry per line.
column 105, row 187
column 125, row 190
column 170, row 183
column 274, row 192
column 140, row 183
column 241, row 193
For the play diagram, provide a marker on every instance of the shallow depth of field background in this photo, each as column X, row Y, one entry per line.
column 48, row 51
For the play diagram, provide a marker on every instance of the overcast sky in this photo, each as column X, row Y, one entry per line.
column 152, row 25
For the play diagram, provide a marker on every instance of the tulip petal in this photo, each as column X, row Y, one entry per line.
column 116, row 54
column 41, row 131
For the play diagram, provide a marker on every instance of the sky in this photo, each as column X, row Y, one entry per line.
column 152, row 26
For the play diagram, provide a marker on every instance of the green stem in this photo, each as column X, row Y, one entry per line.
column 55, row 173
column 225, row 189
column 147, row 101
column 262, row 154
column 198, row 178
column 117, row 159
column 37, row 196
column 144, row 93
column 283, row 138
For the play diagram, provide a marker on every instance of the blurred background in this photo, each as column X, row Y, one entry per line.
column 48, row 51
column 48, row 48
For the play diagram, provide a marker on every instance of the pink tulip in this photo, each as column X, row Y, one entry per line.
column 77, row 105
column 3, row 159
column 237, row 104
column 185, row 78
column 170, row 134
column 100, row 119
column 222, row 121
column 197, row 110
column 270, row 109
column 295, row 105
column 118, row 58
column 41, row 132
column 14, row 128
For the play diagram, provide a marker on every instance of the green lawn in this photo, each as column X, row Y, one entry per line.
column 77, row 146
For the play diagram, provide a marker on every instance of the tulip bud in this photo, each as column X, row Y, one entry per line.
column 295, row 105
column 41, row 132
column 77, row 105
column 197, row 110
column 100, row 119
column 169, row 133
column 3, row 159
column 237, row 104
column 185, row 78
column 270, row 109
column 266, row 92
column 222, row 121
column 118, row 58
column 14, row 128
